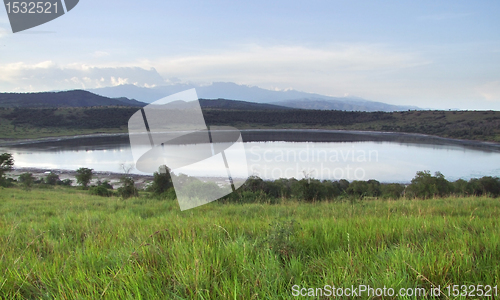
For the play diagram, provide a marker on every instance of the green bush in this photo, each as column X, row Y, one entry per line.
column 100, row 190
column 392, row 190
column 6, row 164
column 128, row 188
column 83, row 176
column 27, row 180
column 425, row 186
column 66, row 182
column 162, row 182
column 52, row 179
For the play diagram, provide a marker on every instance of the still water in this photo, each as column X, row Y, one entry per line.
column 273, row 154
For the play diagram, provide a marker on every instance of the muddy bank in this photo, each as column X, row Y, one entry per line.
column 285, row 135
column 114, row 178
column 141, row 181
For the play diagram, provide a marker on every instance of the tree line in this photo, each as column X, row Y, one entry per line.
column 474, row 125
column 423, row 186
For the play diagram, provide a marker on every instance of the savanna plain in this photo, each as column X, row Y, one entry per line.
column 62, row 243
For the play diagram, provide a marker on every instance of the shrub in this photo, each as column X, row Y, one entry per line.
column 370, row 188
column 100, row 191
column 424, row 185
column 460, row 187
column 392, row 190
column 309, row 190
column 27, row 180
column 490, row 186
column 128, row 188
column 83, row 176
column 52, row 179
column 66, row 182
column 161, row 182
column 6, row 164
column 105, row 184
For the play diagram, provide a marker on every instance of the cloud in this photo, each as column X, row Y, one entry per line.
column 333, row 71
column 361, row 70
column 490, row 90
column 47, row 75
column 3, row 32
column 344, row 58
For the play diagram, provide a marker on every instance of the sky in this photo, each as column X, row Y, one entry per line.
column 432, row 54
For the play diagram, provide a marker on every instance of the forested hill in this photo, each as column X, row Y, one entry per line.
column 76, row 98
column 79, row 98
column 44, row 122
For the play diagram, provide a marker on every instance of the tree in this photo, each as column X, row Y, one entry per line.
column 424, row 185
column 83, row 176
column 52, row 179
column 392, row 190
column 27, row 180
column 161, row 181
column 6, row 164
column 128, row 188
column 490, row 186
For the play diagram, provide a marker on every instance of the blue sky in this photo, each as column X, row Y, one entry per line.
column 436, row 54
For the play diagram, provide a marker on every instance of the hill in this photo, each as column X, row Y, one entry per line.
column 353, row 104
column 238, row 105
column 76, row 98
column 16, row 123
column 229, row 90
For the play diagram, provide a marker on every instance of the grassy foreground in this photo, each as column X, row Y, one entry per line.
column 65, row 244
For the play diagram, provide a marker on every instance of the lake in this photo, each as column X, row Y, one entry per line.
column 272, row 154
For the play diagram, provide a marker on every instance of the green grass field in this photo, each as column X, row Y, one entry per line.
column 65, row 244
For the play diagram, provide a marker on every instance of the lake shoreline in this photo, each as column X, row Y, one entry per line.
column 314, row 135
column 112, row 177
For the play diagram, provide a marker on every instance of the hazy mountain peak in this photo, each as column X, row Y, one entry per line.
column 230, row 90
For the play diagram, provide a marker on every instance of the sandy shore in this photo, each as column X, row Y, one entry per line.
column 113, row 178
column 311, row 135
column 141, row 181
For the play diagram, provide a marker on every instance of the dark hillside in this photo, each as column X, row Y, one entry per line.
column 76, row 98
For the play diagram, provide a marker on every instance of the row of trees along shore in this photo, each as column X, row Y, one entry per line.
column 423, row 186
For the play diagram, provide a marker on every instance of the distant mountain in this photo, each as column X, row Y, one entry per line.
column 341, row 104
column 131, row 91
column 228, row 90
column 76, row 98
column 238, row 105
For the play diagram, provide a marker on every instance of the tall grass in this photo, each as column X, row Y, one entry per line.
column 65, row 244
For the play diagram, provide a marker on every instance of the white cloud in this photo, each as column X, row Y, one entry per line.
column 340, row 69
column 3, row 32
column 490, row 90
column 343, row 58
column 48, row 75
column 374, row 72
column 120, row 81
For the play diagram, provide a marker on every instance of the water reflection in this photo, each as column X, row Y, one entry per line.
column 297, row 153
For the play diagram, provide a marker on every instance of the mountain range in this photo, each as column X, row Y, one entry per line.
column 233, row 91
column 80, row 98
column 214, row 96
column 75, row 98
